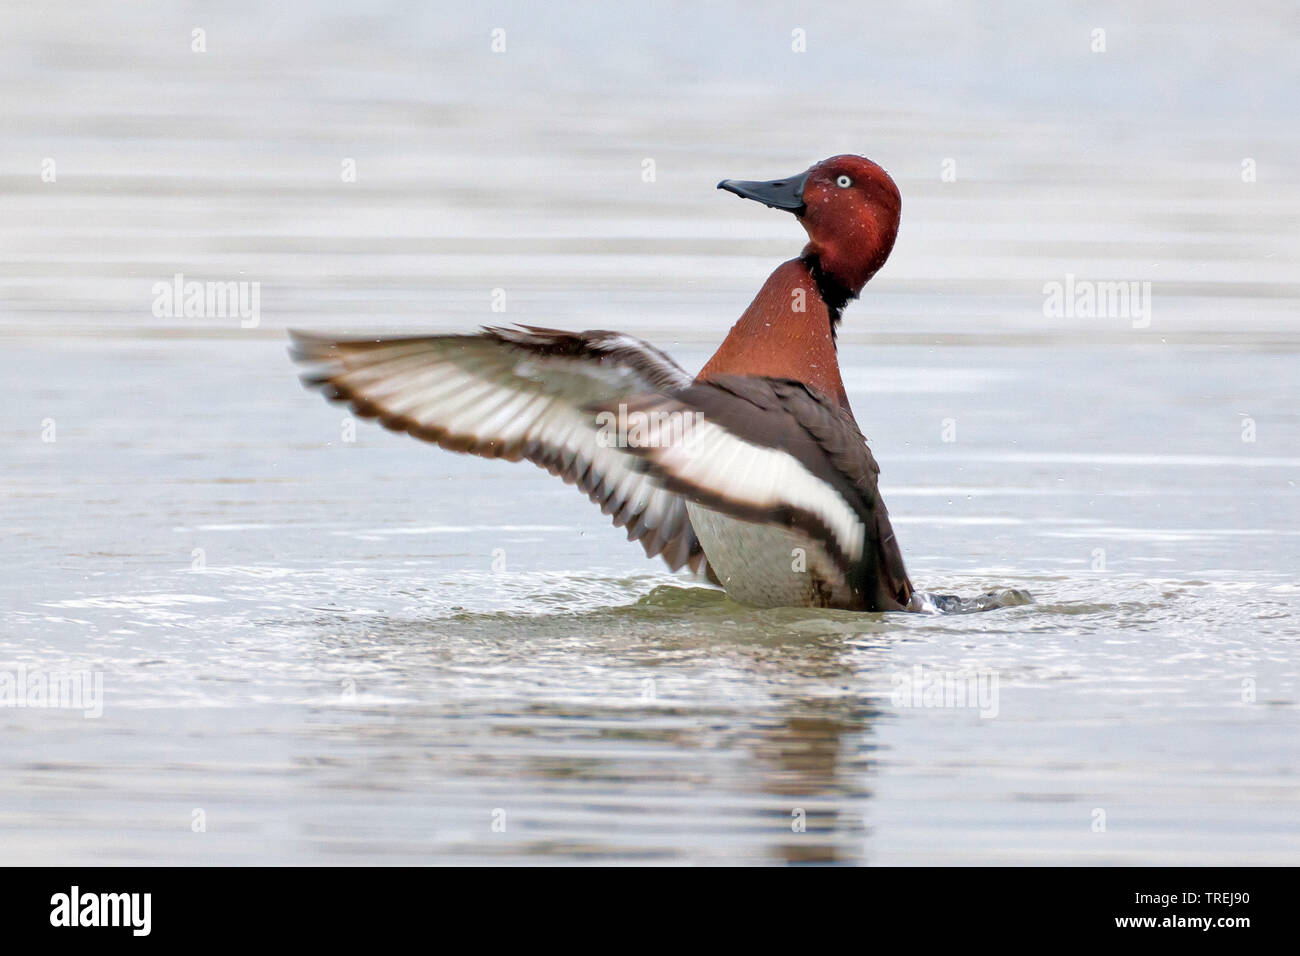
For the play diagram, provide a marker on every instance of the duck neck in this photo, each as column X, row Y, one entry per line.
column 788, row 331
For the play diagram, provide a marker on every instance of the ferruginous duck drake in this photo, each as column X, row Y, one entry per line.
column 754, row 472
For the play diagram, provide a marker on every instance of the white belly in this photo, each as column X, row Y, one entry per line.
column 766, row 565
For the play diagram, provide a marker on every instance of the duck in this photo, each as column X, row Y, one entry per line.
column 752, row 474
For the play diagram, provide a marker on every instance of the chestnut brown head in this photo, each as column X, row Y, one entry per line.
column 850, row 209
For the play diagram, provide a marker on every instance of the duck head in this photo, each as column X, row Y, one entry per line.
column 850, row 209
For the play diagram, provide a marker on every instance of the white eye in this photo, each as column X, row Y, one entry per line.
column 843, row 182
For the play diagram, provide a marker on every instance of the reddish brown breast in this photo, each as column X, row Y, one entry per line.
column 785, row 333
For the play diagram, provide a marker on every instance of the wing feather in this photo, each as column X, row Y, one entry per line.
column 518, row 393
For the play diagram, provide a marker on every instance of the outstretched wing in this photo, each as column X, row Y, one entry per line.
column 516, row 394
column 776, row 452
